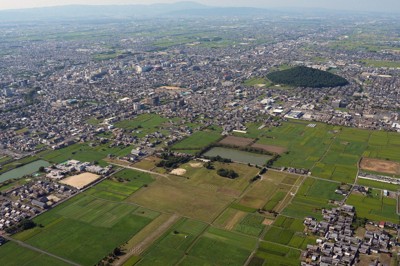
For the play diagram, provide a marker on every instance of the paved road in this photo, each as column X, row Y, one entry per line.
column 23, row 244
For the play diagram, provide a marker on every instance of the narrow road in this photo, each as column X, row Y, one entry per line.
column 25, row 245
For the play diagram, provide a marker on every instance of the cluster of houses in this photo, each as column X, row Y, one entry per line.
column 31, row 199
column 337, row 244
column 60, row 171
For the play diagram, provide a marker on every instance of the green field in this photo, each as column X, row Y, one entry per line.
column 85, row 228
column 277, row 255
column 381, row 63
column 197, row 141
column 84, row 153
column 123, row 184
column 330, row 152
column 12, row 254
column 312, row 196
column 375, row 206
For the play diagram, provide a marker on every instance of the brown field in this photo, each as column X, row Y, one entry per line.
column 80, row 181
column 236, row 141
column 380, row 166
column 270, row 148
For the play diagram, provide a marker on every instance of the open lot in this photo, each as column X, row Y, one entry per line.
column 80, row 181
column 380, row 166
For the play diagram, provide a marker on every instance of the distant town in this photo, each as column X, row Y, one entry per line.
column 237, row 140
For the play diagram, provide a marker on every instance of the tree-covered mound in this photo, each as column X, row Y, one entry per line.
column 302, row 76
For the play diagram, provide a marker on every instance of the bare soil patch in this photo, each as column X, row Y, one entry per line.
column 80, row 181
column 267, row 221
column 269, row 148
column 236, row 141
column 196, row 165
column 178, row 171
column 381, row 166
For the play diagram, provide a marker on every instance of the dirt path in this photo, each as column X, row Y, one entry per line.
column 138, row 249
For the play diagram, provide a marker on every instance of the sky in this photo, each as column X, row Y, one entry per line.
column 360, row 5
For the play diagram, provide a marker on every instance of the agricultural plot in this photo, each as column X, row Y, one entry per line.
column 375, row 207
column 277, row 255
column 14, row 255
column 330, row 152
column 237, row 141
column 123, row 184
column 85, row 229
column 197, row 141
column 268, row 192
column 251, row 224
column 225, row 248
column 84, row 153
column 312, row 196
column 288, row 231
column 173, row 195
column 171, row 246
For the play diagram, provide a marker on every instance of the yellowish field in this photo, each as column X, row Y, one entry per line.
column 172, row 195
column 80, row 181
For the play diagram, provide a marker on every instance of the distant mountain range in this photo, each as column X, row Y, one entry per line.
column 179, row 9
column 123, row 11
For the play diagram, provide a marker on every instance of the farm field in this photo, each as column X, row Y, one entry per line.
column 123, row 184
column 268, row 192
column 14, row 255
column 312, row 196
column 84, row 153
column 197, row 141
column 172, row 195
column 105, row 225
column 375, row 206
column 90, row 225
column 237, row 141
column 330, row 152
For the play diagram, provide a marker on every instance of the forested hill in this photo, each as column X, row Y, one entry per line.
column 302, row 76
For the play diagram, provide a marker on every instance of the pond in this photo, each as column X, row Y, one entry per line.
column 27, row 169
column 238, row 156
